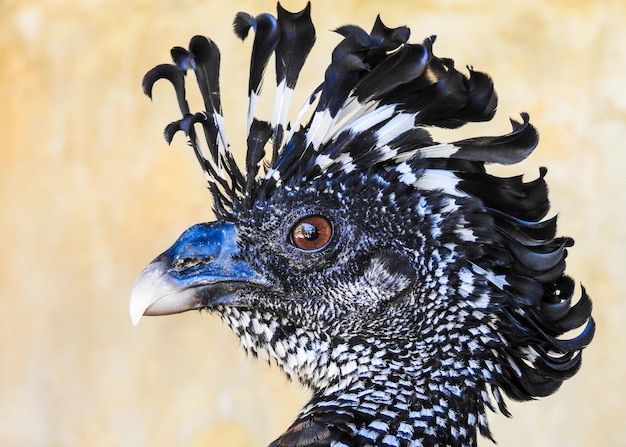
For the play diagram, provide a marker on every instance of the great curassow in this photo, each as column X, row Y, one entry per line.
column 389, row 273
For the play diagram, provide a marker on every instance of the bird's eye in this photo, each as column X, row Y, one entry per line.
column 311, row 233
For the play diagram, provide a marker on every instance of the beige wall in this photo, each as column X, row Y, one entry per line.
column 89, row 192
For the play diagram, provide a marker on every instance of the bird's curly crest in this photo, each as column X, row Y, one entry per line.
column 378, row 88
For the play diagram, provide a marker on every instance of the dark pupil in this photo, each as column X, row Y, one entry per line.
column 309, row 231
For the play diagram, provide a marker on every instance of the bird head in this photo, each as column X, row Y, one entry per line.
column 371, row 263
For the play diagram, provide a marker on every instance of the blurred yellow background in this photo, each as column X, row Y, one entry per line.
column 90, row 192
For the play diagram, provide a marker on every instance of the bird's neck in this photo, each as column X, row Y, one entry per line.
column 381, row 393
column 380, row 401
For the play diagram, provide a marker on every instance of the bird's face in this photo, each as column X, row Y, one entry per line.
column 305, row 259
column 332, row 259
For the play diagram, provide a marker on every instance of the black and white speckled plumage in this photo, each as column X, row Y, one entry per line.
column 441, row 288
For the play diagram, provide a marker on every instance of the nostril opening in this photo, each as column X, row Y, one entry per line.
column 189, row 263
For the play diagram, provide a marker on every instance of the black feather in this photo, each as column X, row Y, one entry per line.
column 297, row 36
column 260, row 133
column 172, row 74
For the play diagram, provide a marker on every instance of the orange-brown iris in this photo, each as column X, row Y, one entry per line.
column 311, row 233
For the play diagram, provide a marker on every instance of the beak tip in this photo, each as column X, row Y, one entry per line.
column 137, row 306
column 146, row 291
column 135, row 316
